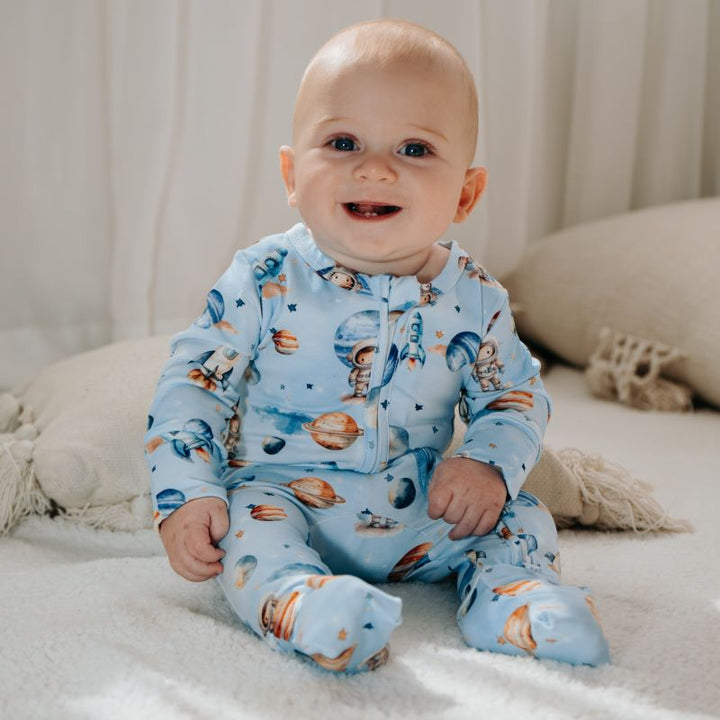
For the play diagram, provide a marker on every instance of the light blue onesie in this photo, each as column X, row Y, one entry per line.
column 317, row 402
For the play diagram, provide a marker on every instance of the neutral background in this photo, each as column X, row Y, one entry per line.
column 138, row 140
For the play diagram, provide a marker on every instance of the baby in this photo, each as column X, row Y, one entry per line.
column 296, row 438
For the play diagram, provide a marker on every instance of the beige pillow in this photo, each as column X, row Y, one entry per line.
column 653, row 274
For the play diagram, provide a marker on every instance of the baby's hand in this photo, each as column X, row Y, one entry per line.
column 190, row 535
column 467, row 494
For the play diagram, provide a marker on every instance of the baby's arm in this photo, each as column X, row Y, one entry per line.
column 190, row 536
column 506, row 424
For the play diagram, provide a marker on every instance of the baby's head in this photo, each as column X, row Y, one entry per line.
column 384, row 131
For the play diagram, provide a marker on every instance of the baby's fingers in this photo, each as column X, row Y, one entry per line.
column 439, row 498
column 200, row 547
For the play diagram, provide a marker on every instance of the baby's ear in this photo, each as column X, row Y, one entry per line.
column 475, row 179
column 287, row 168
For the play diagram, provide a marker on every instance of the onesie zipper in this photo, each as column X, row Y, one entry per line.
column 376, row 457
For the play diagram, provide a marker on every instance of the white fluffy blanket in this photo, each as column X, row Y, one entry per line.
column 96, row 625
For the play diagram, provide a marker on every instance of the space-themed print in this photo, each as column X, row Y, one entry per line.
column 290, row 539
column 316, row 401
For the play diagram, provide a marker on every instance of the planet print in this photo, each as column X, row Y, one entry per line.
column 214, row 311
column 462, row 350
column 360, row 326
column 272, row 445
column 285, row 342
column 244, row 568
column 514, row 400
column 336, row 664
column 267, row 512
column 333, row 431
column 401, row 493
column 412, row 560
column 314, row 492
column 169, row 500
column 518, row 630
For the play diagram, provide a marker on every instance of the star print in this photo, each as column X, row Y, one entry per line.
column 389, row 477
column 239, row 534
column 434, row 429
column 457, row 308
column 309, row 386
column 368, row 626
column 154, row 467
column 385, row 404
column 418, row 407
column 282, row 277
column 292, row 307
column 282, row 387
column 250, row 506
column 287, row 547
column 439, row 334
column 273, row 330
column 239, row 302
column 342, row 635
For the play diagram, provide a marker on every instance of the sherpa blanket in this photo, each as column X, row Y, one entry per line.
column 96, row 625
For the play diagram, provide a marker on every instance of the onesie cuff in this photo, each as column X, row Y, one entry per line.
column 512, row 450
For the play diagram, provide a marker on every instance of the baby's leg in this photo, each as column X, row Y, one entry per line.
column 511, row 597
column 282, row 590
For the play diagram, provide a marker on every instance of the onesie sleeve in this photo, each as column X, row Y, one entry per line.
column 197, row 394
column 504, row 401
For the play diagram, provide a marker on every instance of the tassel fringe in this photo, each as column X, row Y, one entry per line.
column 614, row 500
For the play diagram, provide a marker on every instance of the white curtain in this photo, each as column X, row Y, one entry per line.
column 138, row 140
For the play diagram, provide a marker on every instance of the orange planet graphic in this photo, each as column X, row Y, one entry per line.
column 515, row 400
column 267, row 512
column 518, row 587
column 314, row 492
column 285, row 342
column 412, row 560
column 336, row 664
column 518, row 630
column 277, row 615
column 333, row 431
column 377, row 659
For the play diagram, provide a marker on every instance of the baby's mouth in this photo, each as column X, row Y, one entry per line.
column 371, row 211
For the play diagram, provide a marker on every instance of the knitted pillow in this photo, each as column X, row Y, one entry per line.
column 651, row 275
column 71, row 439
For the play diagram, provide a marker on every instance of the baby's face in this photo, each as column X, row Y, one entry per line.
column 379, row 163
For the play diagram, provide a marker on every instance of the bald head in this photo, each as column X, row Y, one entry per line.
column 392, row 44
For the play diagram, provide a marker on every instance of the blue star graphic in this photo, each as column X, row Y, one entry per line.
column 457, row 308
column 385, row 404
column 418, row 407
column 292, row 307
column 239, row 302
column 309, row 386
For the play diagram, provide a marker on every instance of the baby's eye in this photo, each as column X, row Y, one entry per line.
column 344, row 144
column 415, row 149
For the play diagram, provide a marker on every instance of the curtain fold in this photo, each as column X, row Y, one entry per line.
column 138, row 141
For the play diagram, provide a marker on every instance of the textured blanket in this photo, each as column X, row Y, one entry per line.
column 96, row 625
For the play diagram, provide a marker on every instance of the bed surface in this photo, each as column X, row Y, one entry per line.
column 96, row 625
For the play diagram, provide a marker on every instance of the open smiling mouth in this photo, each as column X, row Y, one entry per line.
column 371, row 211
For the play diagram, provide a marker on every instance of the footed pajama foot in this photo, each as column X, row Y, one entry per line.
column 512, row 610
column 341, row 622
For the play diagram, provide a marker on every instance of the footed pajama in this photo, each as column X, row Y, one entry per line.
column 316, row 402
column 303, row 550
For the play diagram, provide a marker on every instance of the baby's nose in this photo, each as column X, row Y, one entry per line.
column 376, row 169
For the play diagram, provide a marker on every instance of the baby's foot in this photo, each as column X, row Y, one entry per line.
column 514, row 611
column 341, row 622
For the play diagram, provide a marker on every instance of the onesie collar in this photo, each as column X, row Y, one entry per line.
column 401, row 286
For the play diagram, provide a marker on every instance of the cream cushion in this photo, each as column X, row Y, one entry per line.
column 652, row 274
